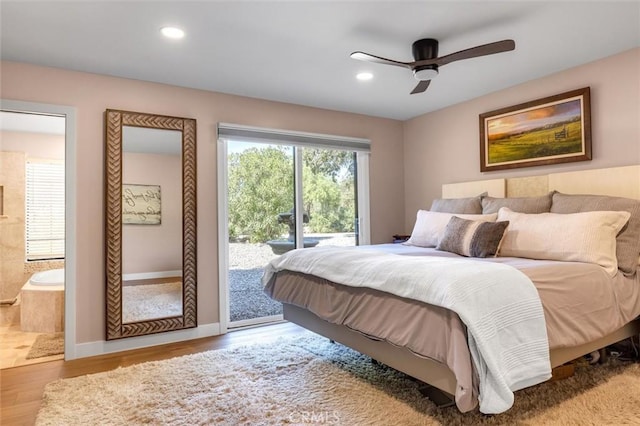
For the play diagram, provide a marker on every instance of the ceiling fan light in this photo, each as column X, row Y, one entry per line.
column 364, row 76
column 425, row 74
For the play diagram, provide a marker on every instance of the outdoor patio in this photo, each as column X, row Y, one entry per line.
column 246, row 266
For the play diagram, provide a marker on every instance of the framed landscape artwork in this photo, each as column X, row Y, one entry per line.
column 556, row 129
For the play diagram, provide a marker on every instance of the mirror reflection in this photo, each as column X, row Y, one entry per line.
column 151, row 223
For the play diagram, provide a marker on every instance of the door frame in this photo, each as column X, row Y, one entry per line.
column 364, row 234
column 70, row 178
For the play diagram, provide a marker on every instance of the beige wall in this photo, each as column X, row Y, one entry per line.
column 154, row 248
column 34, row 145
column 91, row 94
column 443, row 146
column 12, row 243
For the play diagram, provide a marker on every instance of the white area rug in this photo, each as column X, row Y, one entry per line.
column 307, row 380
column 143, row 302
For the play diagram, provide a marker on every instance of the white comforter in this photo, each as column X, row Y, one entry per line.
column 498, row 304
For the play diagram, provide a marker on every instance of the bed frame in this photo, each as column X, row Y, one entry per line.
column 424, row 369
column 618, row 181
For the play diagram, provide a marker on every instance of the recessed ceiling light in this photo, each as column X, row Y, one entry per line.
column 364, row 76
column 172, row 32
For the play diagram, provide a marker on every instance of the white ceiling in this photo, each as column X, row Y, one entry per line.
column 298, row 51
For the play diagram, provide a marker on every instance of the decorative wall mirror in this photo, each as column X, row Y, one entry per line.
column 150, row 200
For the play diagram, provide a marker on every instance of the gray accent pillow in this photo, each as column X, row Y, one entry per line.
column 518, row 204
column 472, row 238
column 627, row 241
column 471, row 205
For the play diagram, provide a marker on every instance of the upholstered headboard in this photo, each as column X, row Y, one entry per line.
column 615, row 181
column 494, row 188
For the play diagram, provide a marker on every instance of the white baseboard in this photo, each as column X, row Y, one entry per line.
column 151, row 275
column 83, row 350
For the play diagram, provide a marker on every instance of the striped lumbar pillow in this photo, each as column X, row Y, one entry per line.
column 588, row 237
column 472, row 238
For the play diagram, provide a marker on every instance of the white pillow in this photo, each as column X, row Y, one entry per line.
column 430, row 226
column 576, row 237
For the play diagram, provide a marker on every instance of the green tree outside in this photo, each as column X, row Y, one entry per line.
column 261, row 186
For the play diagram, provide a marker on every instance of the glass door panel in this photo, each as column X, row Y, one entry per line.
column 261, row 187
column 329, row 197
column 260, row 207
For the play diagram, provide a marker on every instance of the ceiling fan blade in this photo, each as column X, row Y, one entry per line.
column 361, row 56
column 473, row 52
column 421, row 87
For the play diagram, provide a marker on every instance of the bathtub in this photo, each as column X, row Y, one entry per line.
column 52, row 277
column 42, row 302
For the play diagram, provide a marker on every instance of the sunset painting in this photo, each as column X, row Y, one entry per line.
column 542, row 133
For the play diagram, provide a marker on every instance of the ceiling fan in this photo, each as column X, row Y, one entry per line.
column 426, row 60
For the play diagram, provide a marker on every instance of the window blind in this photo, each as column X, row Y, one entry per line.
column 288, row 137
column 44, row 210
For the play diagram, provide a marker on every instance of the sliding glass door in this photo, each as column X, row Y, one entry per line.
column 278, row 197
column 261, row 196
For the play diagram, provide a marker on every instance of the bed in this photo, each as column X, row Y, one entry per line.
column 587, row 305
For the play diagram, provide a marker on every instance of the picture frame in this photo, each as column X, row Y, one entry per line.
column 141, row 204
column 551, row 130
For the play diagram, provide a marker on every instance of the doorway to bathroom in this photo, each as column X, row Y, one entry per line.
column 32, row 237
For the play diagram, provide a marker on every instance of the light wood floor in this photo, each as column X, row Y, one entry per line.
column 22, row 387
column 15, row 345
